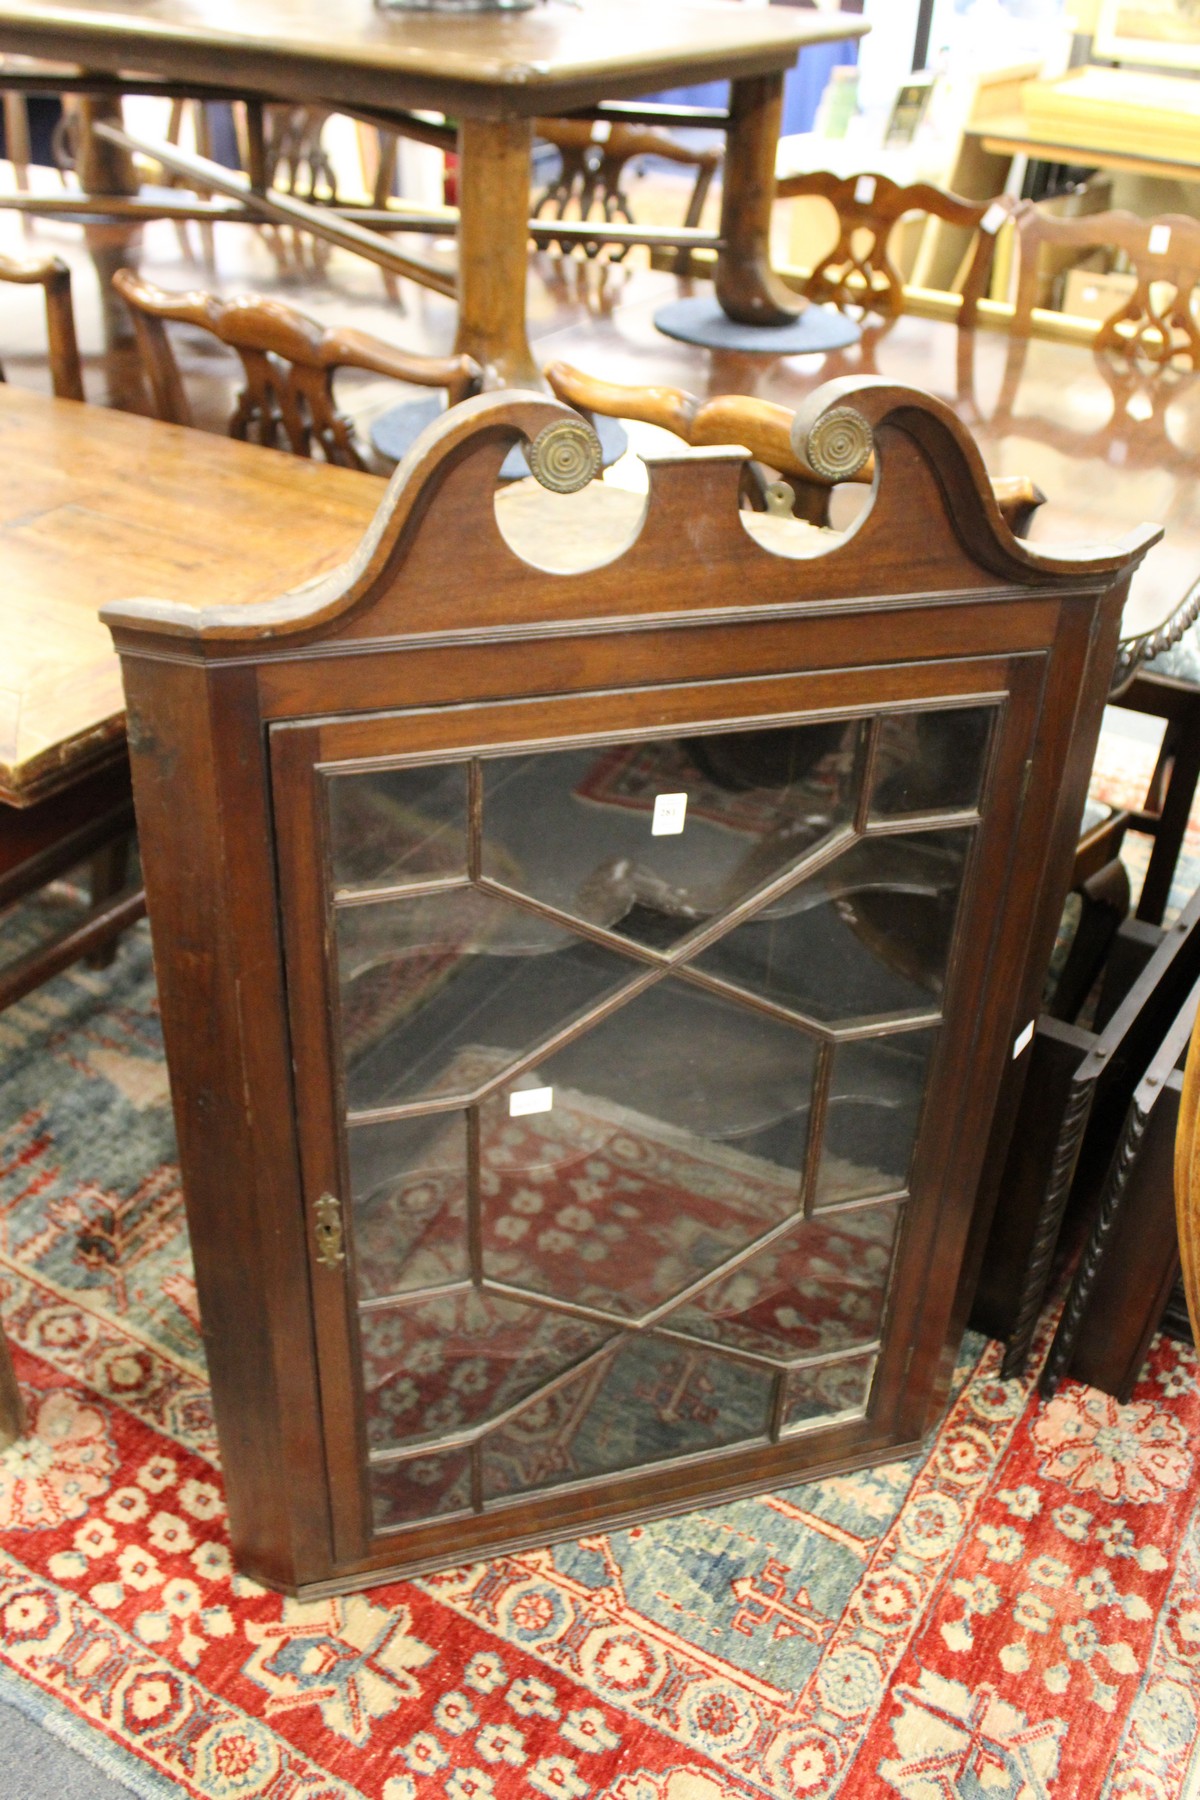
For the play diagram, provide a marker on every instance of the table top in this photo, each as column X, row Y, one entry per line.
column 1011, row 135
column 97, row 506
column 552, row 58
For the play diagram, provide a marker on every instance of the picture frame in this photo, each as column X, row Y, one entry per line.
column 1160, row 33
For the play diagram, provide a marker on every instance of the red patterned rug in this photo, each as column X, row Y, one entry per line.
column 1013, row 1614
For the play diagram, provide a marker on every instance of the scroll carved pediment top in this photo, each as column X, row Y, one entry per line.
column 435, row 560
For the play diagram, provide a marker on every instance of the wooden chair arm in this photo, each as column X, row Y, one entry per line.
column 53, row 275
column 461, row 375
column 256, row 323
column 763, row 426
column 624, row 141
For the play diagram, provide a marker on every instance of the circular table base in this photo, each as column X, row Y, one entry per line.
column 394, row 433
column 700, row 321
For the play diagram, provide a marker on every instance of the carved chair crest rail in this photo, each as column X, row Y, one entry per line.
column 289, row 361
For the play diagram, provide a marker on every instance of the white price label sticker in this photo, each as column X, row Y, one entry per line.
column 864, row 190
column 1159, row 241
column 1023, row 1040
column 530, row 1100
column 993, row 218
column 668, row 815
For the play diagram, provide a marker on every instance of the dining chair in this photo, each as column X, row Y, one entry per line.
column 766, row 429
column 1125, row 1283
column 1079, row 1086
column 53, row 276
column 1187, row 1180
column 860, row 270
column 289, row 361
column 594, row 156
column 1155, row 324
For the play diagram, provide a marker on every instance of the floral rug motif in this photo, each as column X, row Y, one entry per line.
column 1012, row 1614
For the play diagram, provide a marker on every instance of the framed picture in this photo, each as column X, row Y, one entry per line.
column 1161, row 32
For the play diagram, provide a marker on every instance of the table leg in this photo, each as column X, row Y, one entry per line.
column 103, row 168
column 747, row 288
column 12, row 1410
column 493, row 249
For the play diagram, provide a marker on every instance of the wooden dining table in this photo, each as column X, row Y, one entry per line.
column 97, row 505
column 491, row 73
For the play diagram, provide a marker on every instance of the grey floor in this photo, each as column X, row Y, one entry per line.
column 37, row 1765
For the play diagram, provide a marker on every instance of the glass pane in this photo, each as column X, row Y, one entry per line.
column 829, row 1391
column 408, row 1190
column 667, row 1138
column 420, row 1488
column 391, row 825
column 443, row 991
column 867, row 935
column 650, row 1401
column 875, row 1098
column 583, row 829
column 931, row 761
column 820, row 1288
column 435, row 1366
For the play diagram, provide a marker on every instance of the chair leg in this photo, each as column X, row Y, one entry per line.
column 109, row 869
column 1172, row 824
column 12, row 1407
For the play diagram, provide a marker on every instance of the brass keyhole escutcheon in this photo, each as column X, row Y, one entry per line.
column 329, row 1232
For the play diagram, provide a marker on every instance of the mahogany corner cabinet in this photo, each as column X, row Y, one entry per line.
column 587, row 995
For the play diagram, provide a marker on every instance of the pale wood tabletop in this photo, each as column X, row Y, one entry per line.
column 97, row 506
column 515, row 65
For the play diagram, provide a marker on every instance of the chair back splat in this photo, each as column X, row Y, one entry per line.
column 859, row 270
column 1156, row 323
column 289, row 362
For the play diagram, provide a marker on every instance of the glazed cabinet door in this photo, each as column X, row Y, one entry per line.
column 629, row 1037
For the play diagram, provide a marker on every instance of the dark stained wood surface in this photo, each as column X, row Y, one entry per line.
column 431, row 643
column 97, row 506
column 550, row 59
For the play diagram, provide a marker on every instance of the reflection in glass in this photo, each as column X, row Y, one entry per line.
column 820, row 1288
column 439, row 1365
column 392, row 825
column 676, row 1136
column 420, row 1488
column 930, row 761
column 868, row 934
column 651, row 1400
column 875, row 1095
column 442, row 991
column 408, row 1190
column 574, row 828
column 828, row 1391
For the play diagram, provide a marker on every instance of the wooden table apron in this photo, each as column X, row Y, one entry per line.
column 494, row 75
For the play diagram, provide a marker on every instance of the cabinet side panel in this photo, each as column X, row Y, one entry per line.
column 202, row 809
column 1076, row 691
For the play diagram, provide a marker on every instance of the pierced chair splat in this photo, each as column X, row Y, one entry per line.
column 1150, row 326
column 289, row 361
column 859, row 270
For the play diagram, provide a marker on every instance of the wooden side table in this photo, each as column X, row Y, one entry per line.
column 605, row 978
